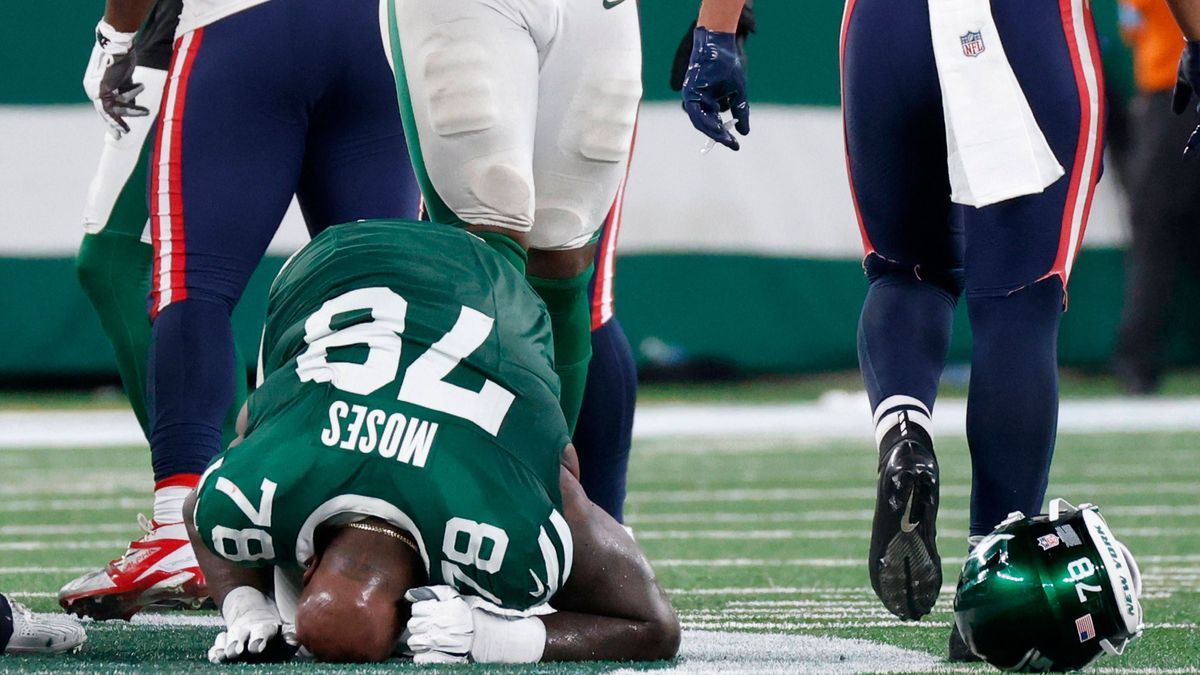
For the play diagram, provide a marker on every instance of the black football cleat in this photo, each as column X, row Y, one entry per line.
column 905, row 568
column 958, row 651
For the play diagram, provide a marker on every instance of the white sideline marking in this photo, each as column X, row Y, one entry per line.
column 844, row 415
column 837, row 415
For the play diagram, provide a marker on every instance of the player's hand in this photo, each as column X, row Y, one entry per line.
column 715, row 82
column 442, row 628
column 747, row 25
column 1186, row 86
column 254, row 631
column 108, row 80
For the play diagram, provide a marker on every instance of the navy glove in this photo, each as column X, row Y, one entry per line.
column 716, row 82
column 747, row 25
column 1186, row 87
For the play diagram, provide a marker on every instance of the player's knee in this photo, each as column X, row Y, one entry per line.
column 664, row 632
column 337, row 630
column 881, row 270
column 560, row 264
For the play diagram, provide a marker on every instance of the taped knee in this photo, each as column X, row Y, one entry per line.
column 603, row 112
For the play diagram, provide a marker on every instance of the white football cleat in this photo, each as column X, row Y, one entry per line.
column 158, row 569
column 43, row 633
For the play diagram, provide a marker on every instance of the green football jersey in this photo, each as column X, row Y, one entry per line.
column 409, row 377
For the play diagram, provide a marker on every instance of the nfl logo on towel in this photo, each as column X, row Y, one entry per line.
column 1085, row 628
column 972, row 43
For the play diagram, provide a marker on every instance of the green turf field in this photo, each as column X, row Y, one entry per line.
column 760, row 540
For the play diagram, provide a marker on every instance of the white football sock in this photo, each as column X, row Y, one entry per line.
column 168, row 504
column 889, row 413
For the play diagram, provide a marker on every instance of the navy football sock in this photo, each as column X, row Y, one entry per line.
column 605, row 429
column 1012, row 407
column 903, row 337
column 190, row 385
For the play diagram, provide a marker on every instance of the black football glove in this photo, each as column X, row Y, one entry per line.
column 1187, row 86
column 746, row 25
column 116, row 95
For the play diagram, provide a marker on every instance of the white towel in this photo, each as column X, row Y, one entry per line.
column 996, row 150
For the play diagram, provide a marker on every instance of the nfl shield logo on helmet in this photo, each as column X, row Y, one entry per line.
column 972, row 43
column 1047, row 541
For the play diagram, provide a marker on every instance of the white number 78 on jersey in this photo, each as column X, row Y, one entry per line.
column 424, row 382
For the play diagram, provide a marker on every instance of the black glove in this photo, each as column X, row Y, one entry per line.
column 118, row 94
column 113, row 58
column 746, row 25
column 1186, row 87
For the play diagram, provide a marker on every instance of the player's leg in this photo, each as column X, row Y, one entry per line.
column 223, row 177
column 466, row 80
column 1019, row 256
column 897, row 164
column 604, row 434
column 589, row 92
column 115, row 257
column 356, row 161
column 612, row 606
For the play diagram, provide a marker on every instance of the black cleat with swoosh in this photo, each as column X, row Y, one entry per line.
column 905, row 568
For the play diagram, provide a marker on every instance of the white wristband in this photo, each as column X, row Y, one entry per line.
column 113, row 41
column 500, row 639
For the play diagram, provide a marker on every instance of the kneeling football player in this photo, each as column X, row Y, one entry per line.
column 405, row 462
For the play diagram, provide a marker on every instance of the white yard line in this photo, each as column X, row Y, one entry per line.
column 649, row 535
column 48, row 530
column 837, row 415
column 1117, row 487
column 110, row 503
column 859, row 515
column 116, row 545
column 45, row 570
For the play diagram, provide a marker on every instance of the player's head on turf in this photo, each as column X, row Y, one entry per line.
column 352, row 608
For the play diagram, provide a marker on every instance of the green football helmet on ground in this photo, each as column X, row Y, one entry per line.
column 1049, row 592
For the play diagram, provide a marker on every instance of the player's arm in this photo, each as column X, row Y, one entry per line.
column 1187, row 13
column 716, row 79
column 612, row 607
column 254, row 630
column 720, row 15
column 108, row 80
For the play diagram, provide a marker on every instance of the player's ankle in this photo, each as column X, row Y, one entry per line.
column 169, row 495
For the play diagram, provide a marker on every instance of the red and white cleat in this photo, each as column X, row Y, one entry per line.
column 158, row 569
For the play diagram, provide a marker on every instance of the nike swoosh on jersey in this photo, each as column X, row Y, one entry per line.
column 541, row 588
column 906, row 526
column 609, row 4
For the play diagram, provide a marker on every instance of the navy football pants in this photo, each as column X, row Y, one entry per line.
column 1012, row 259
column 283, row 98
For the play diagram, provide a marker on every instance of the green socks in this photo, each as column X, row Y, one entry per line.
column 571, row 322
